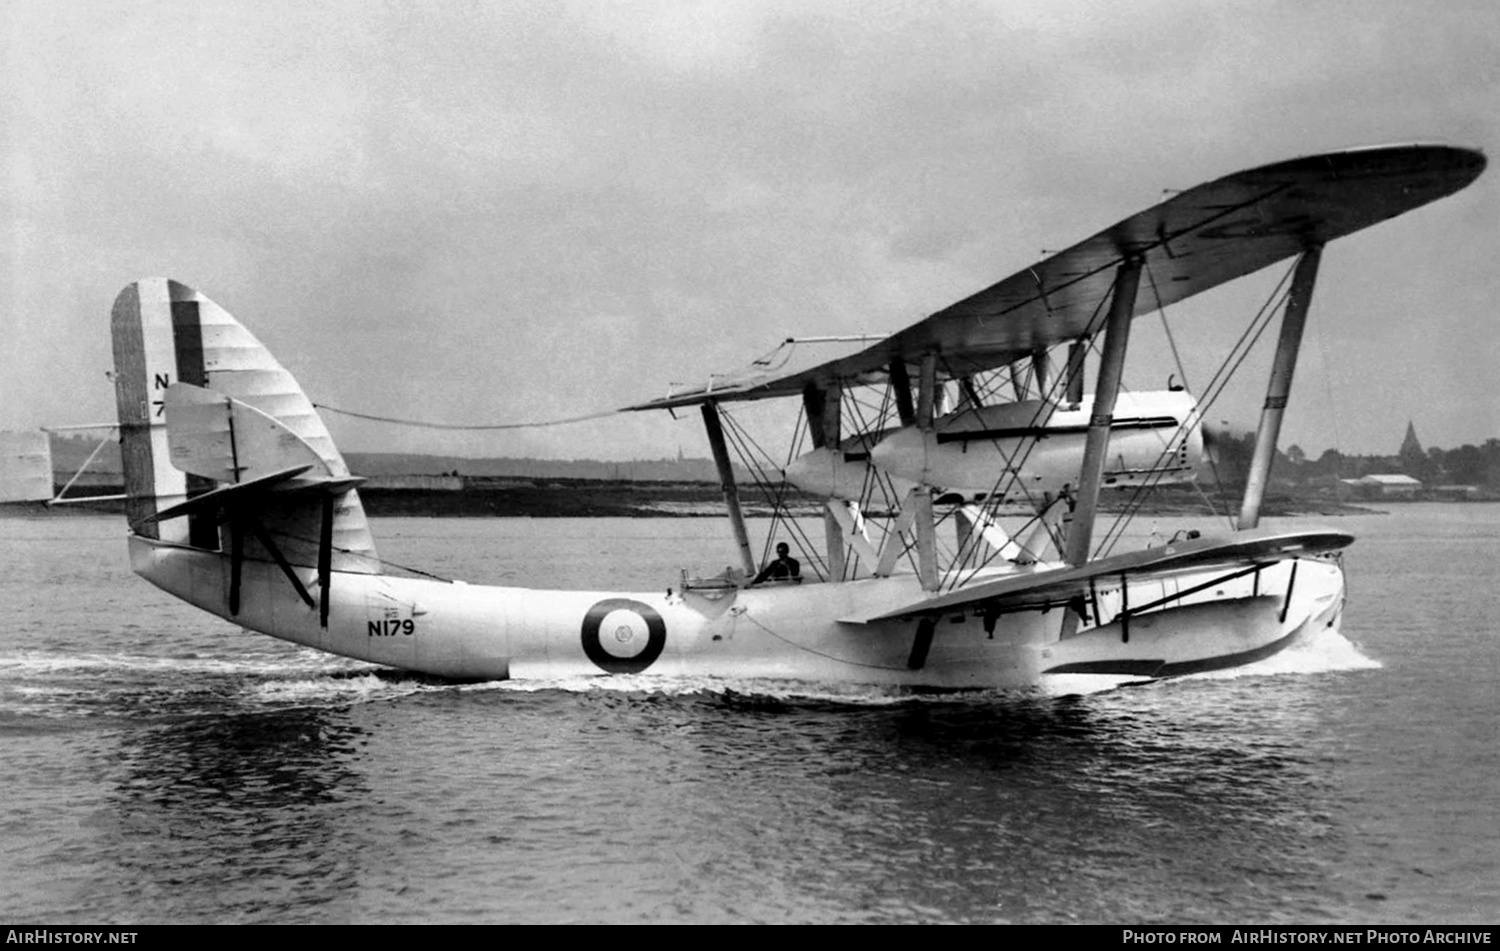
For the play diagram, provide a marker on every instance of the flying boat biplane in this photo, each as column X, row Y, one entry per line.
column 960, row 463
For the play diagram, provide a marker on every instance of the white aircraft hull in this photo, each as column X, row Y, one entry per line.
column 799, row 632
column 240, row 503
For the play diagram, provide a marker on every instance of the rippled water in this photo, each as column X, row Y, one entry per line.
column 162, row 765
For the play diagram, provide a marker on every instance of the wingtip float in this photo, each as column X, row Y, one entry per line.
column 240, row 503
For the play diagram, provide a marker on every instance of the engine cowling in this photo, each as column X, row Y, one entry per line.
column 843, row 473
column 1025, row 449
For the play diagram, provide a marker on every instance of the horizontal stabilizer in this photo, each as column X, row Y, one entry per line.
column 229, row 496
column 25, row 467
column 251, row 495
column 218, row 437
column 1039, row 589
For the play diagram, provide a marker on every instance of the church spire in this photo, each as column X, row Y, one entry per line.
column 1412, row 455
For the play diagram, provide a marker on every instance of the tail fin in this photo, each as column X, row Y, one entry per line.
column 169, row 337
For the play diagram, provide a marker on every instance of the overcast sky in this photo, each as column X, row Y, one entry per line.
column 492, row 212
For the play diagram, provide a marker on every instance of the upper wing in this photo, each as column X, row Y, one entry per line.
column 1194, row 241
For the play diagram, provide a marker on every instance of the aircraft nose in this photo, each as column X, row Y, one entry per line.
column 812, row 472
column 903, row 454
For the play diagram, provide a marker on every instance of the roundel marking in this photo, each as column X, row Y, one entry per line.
column 622, row 636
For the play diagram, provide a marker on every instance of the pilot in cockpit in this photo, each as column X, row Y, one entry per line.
column 784, row 568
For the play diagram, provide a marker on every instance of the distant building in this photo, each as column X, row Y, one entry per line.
column 415, row 483
column 1390, row 486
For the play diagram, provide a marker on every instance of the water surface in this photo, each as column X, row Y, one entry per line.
column 163, row 765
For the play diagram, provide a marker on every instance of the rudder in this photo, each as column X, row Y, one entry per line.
column 165, row 333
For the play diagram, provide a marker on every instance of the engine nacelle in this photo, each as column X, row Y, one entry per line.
column 843, row 473
column 1022, row 451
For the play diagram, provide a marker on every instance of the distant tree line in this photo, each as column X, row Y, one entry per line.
column 1466, row 465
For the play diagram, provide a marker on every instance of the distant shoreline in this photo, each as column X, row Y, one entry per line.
column 584, row 498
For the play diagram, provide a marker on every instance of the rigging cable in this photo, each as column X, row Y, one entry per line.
column 421, row 424
column 1012, row 471
column 1171, row 341
column 775, row 494
column 1154, row 477
column 874, row 477
column 1333, row 416
column 1236, row 356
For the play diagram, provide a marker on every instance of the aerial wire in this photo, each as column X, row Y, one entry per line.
column 423, row 424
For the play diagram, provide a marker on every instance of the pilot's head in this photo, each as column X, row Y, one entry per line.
column 782, row 549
